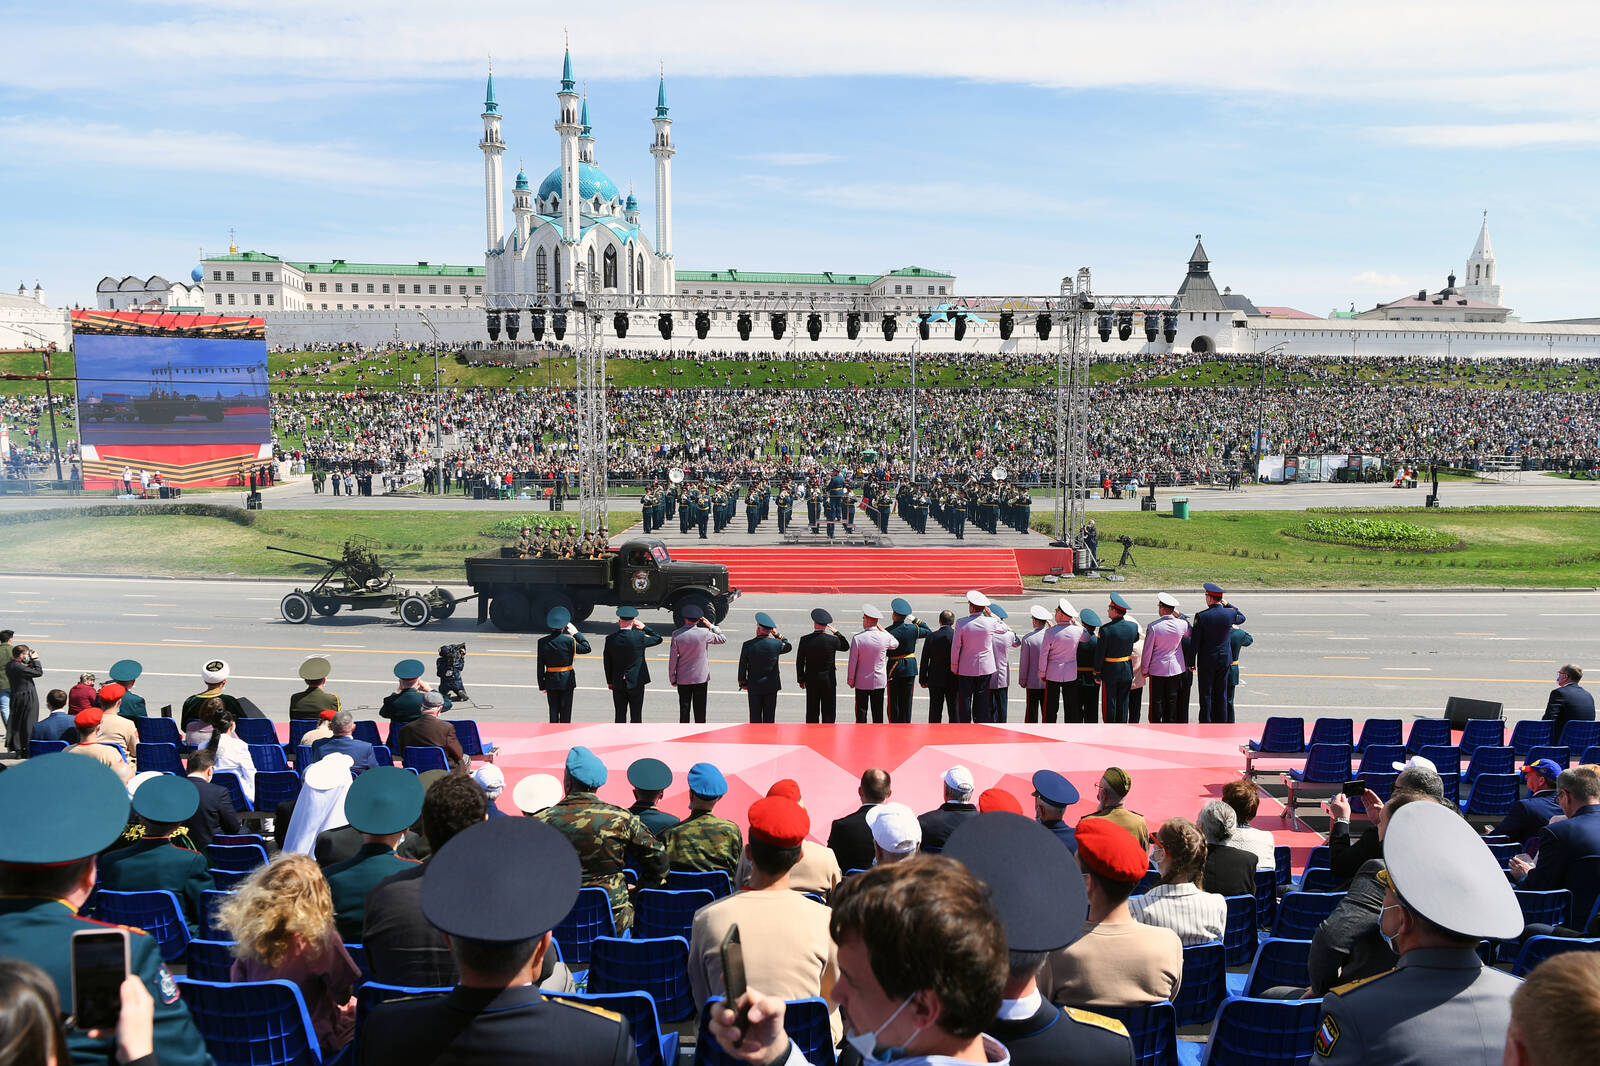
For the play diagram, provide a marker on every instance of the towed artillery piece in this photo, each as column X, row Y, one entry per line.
column 359, row 580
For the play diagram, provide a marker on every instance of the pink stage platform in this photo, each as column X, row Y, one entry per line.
column 1175, row 769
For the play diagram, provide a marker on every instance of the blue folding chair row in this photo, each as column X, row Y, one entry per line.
column 654, row 1047
column 1300, row 913
column 1559, row 754
column 1278, row 963
column 1492, row 796
column 1579, row 736
column 589, row 918
column 37, row 748
column 237, row 858
column 665, row 912
column 157, row 912
column 805, row 1020
column 423, row 759
column 1489, row 759
column 657, row 966
column 1203, row 988
column 1538, row 948
column 1481, row 733
column 716, row 881
column 258, row 1023
column 258, row 731
column 1527, row 735
column 1239, row 935
column 209, row 960
column 162, row 757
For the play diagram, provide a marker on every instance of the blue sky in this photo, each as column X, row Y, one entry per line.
column 1330, row 155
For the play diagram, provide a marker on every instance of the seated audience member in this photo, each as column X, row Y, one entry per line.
column 197, row 730
column 938, row 824
column 1118, row 962
column 1569, row 850
column 232, row 754
column 1345, row 856
column 321, row 731
column 1112, row 791
column 703, row 841
column 1229, row 871
column 922, row 958
column 58, row 724
column 89, row 743
column 319, row 809
column 1245, row 799
column 1568, row 702
column 1180, row 901
column 1556, row 1012
column 381, row 805
column 1052, row 795
column 428, row 730
column 896, row 833
column 1531, row 814
column 215, row 813
column 492, row 780
column 154, row 863
column 115, row 728
column 281, row 920
column 342, row 740
column 818, row 869
column 849, row 839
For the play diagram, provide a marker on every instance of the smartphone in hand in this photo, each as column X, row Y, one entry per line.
column 733, row 981
column 99, row 960
column 1354, row 789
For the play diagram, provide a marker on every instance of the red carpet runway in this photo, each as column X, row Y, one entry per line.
column 889, row 571
column 1175, row 769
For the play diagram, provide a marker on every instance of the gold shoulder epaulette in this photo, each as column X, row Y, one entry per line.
column 592, row 1009
column 1350, row 986
column 1099, row 1021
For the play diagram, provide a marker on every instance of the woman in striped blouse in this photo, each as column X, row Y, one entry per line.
column 1179, row 902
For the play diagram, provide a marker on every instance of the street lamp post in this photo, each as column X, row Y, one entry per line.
column 1261, row 398
column 438, row 409
column 49, row 396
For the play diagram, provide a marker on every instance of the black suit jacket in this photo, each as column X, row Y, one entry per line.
column 1569, row 857
column 402, row 947
column 814, row 661
column 470, row 1026
column 935, row 666
column 215, row 814
column 1568, row 703
column 1230, row 871
column 851, row 840
column 938, row 824
column 758, row 664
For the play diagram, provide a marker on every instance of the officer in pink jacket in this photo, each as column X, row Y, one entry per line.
column 868, row 668
column 972, row 657
column 1058, row 664
column 687, row 665
column 1000, row 680
column 1028, row 661
column 1163, row 661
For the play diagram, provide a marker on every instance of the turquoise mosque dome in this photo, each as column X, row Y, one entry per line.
column 197, row 275
column 592, row 182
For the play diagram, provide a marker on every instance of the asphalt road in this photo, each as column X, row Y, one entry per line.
column 1382, row 653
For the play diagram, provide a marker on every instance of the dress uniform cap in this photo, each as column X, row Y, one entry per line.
column 1118, row 602
column 1213, row 588
column 958, row 779
column 167, row 798
column 998, row 799
column 557, row 617
column 1039, row 901
column 786, row 787
column 894, row 828
column 1109, row 850
column 821, row 617
column 778, row 821
column 88, row 718
column 125, row 670
column 585, row 767
column 1167, row 599
column 706, row 780
column 315, row 668
column 214, row 671
column 764, row 620
column 384, row 800
column 87, row 803
column 1089, row 617
column 1054, row 789
column 408, row 669
column 627, row 612
column 1040, row 612
column 502, row 880
column 650, row 775
column 1064, row 605
column 977, row 599
column 1442, row 870
column 999, row 611
column 871, row 610
column 1119, row 779
column 536, row 792
column 110, row 693
column 329, row 772
column 901, row 606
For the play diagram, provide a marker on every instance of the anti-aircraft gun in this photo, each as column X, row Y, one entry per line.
column 359, row 580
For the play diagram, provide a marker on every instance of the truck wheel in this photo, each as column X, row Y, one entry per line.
column 693, row 599
column 509, row 612
column 414, row 611
column 721, row 607
column 582, row 607
column 543, row 604
column 326, row 607
column 295, row 608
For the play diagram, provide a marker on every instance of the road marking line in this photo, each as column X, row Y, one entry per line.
column 127, row 614
column 1550, row 661
column 1313, row 631
column 1349, row 638
column 1461, row 634
column 1453, row 614
column 1568, row 614
column 1315, row 614
column 181, row 640
column 1427, row 668
column 201, row 628
column 1381, row 677
column 160, row 605
column 1347, row 656
column 30, row 601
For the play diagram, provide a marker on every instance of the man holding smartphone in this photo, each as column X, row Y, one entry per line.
column 47, row 870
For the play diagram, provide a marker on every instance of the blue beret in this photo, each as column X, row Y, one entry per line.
column 650, row 775
column 87, row 807
column 408, row 669
column 1118, row 601
column 900, row 605
column 557, row 617
column 1089, row 617
column 997, row 610
column 384, row 800
column 1213, row 588
column 821, row 617
column 765, row 619
column 585, row 767
column 627, row 612
column 1054, row 789
column 706, row 780
column 1037, row 901
column 167, row 798
column 126, row 670
column 503, row 880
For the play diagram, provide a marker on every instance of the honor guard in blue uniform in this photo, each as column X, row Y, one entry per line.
column 47, row 870
column 381, row 805
column 627, row 673
column 557, row 651
column 1113, row 661
column 907, row 628
column 1038, row 902
column 759, row 675
column 125, row 672
column 650, row 778
column 816, row 668
column 1213, row 654
column 1237, row 639
column 1052, row 795
column 1088, row 649
column 813, row 505
column 752, row 511
column 496, row 890
column 153, row 863
column 785, row 508
column 1440, row 1006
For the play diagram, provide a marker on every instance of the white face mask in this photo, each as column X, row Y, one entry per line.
column 866, row 1044
column 1387, row 939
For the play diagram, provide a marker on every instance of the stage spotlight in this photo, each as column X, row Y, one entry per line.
column 664, row 324
column 852, row 325
column 702, row 324
column 961, row 325
column 780, row 322
column 1006, row 323
column 513, row 325
column 744, row 326
column 889, row 326
column 1041, row 325
column 619, row 322
column 814, row 325
column 493, row 324
column 1152, row 326
column 1105, row 326
column 1169, row 326
column 922, row 326
column 1124, row 325
column 558, row 324
column 536, row 324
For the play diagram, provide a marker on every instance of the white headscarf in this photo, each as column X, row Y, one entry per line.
column 321, row 803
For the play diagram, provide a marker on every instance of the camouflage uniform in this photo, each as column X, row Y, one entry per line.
column 606, row 838
column 703, row 841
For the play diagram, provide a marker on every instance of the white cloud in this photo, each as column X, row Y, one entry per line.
column 1496, row 135
column 793, row 159
column 1371, row 279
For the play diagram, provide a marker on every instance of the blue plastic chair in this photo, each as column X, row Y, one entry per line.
column 161, row 757
column 1527, row 735
column 468, row 737
column 268, row 757
column 805, row 1020
column 1382, row 786
column 1490, row 759
column 1333, row 731
column 1538, row 948
column 658, row 966
column 257, row 731
column 1503, row 852
column 158, row 731
column 1319, row 858
column 229, row 780
column 1203, row 988
column 1552, row 907
column 1321, row 880
column 274, row 787
column 1282, row 856
column 37, row 748
column 240, row 858
column 358, row 955
column 228, row 880
column 1263, row 1032
column 1482, row 733
column 1300, row 913
column 1151, row 878
column 239, row 838
column 1492, row 796
column 1279, row 963
column 1380, row 758
column 372, row 994
column 382, row 754
column 589, row 918
column 367, row 730
column 424, row 759
column 665, row 912
column 1426, row 732
column 257, row 1023
column 1153, row 1028
column 1325, row 764
column 210, row 899
column 1560, row 754
column 1446, row 757
column 717, row 881
column 654, row 1047
column 298, row 728
column 1239, row 935
column 303, row 758
column 157, row 912
column 209, row 960
column 1266, row 897
column 1579, row 736
column 1591, row 755
column 1379, row 731
column 1281, row 736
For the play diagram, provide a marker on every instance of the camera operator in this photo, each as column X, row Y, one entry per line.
column 20, row 672
column 452, row 660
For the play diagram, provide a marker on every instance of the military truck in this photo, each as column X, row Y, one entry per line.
column 516, row 593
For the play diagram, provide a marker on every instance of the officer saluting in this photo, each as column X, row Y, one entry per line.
column 907, row 628
column 758, row 668
column 556, row 652
column 815, row 667
column 1213, row 654
column 1113, row 658
column 1440, row 1006
column 47, row 870
column 627, row 673
column 125, row 672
